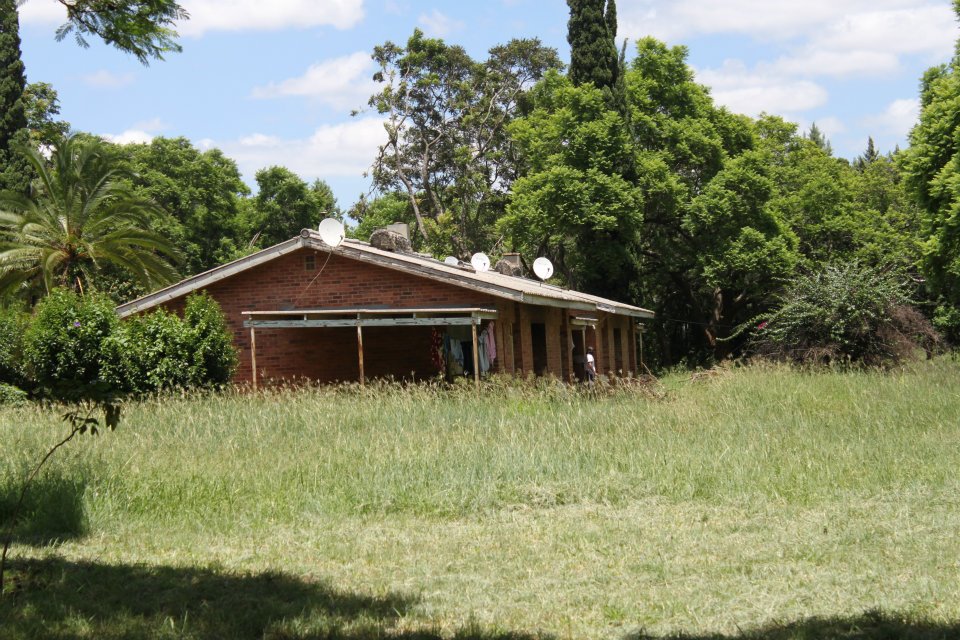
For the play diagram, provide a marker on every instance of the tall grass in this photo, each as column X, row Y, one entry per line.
column 749, row 500
column 766, row 433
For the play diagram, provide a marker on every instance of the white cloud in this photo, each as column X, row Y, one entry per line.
column 818, row 62
column 394, row 7
column 139, row 133
column 108, row 80
column 268, row 15
column 130, row 136
column 346, row 149
column 439, row 25
column 831, row 126
column 760, row 90
column 344, row 82
column 761, row 19
column 42, row 12
column 820, row 37
column 897, row 119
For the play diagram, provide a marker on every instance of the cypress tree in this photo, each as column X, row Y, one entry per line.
column 592, row 33
column 14, row 170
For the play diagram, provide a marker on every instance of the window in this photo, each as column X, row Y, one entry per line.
column 310, row 262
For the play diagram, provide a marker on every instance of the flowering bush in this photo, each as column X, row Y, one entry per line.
column 846, row 313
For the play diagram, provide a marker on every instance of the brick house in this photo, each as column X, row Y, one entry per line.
column 302, row 309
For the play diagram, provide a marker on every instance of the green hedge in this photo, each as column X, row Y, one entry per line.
column 76, row 348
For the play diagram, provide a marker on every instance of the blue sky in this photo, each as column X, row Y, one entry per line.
column 274, row 82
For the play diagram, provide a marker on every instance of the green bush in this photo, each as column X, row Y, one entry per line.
column 12, row 325
column 159, row 351
column 150, row 353
column 11, row 396
column 845, row 314
column 214, row 356
column 75, row 348
column 63, row 347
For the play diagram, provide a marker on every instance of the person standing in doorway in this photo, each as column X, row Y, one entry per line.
column 591, row 367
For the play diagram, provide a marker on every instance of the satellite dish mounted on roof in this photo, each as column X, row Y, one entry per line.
column 450, row 260
column 480, row 262
column 331, row 232
column 543, row 268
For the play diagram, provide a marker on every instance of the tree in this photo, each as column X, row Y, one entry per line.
column 379, row 212
column 285, row 204
column 870, row 155
column 81, row 217
column 817, row 137
column 42, row 105
column 14, row 170
column 143, row 28
column 446, row 118
column 200, row 194
column 932, row 169
column 575, row 205
column 592, row 33
column 710, row 249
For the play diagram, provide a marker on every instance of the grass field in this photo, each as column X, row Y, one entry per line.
column 763, row 502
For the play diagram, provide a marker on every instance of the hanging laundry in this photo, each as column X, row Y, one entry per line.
column 437, row 352
column 491, row 341
column 482, row 353
column 456, row 350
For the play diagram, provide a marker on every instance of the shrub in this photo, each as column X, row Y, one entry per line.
column 11, row 396
column 159, row 351
column 150, row 353
column 214, row 356
column 12, row 325
column 63, row 347
column 847, row 313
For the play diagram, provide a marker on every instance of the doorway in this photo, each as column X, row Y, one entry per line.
column 538, row 339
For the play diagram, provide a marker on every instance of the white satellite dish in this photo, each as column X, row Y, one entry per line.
column 450, row 260
column 480, row 262
column 543, row 268
column 331, row 232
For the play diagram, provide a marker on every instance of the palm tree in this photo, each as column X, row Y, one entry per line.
column 80, row 216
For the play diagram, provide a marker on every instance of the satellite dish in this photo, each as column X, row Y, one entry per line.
column 480, row 262
column 450, row 260
column 543, row 268
column 331, row 232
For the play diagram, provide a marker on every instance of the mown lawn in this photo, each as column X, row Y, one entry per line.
column 762, row 502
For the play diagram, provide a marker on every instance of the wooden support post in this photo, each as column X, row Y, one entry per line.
column 360, row 351
column 642, row 367
column 253, row 356
column 476, row 356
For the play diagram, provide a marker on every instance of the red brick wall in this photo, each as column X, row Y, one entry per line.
column 330, row 354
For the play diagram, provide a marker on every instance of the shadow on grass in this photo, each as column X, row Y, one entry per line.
column 52, row 510
column 54, row 598
column 871, row 625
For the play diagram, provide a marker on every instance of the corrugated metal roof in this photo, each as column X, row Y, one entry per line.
column 490, row 282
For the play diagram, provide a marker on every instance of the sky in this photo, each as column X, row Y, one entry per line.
column 274, row 82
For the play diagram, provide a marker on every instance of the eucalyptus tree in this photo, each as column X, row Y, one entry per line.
column 42, row 105
column 445, row 121
column 80, row 217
